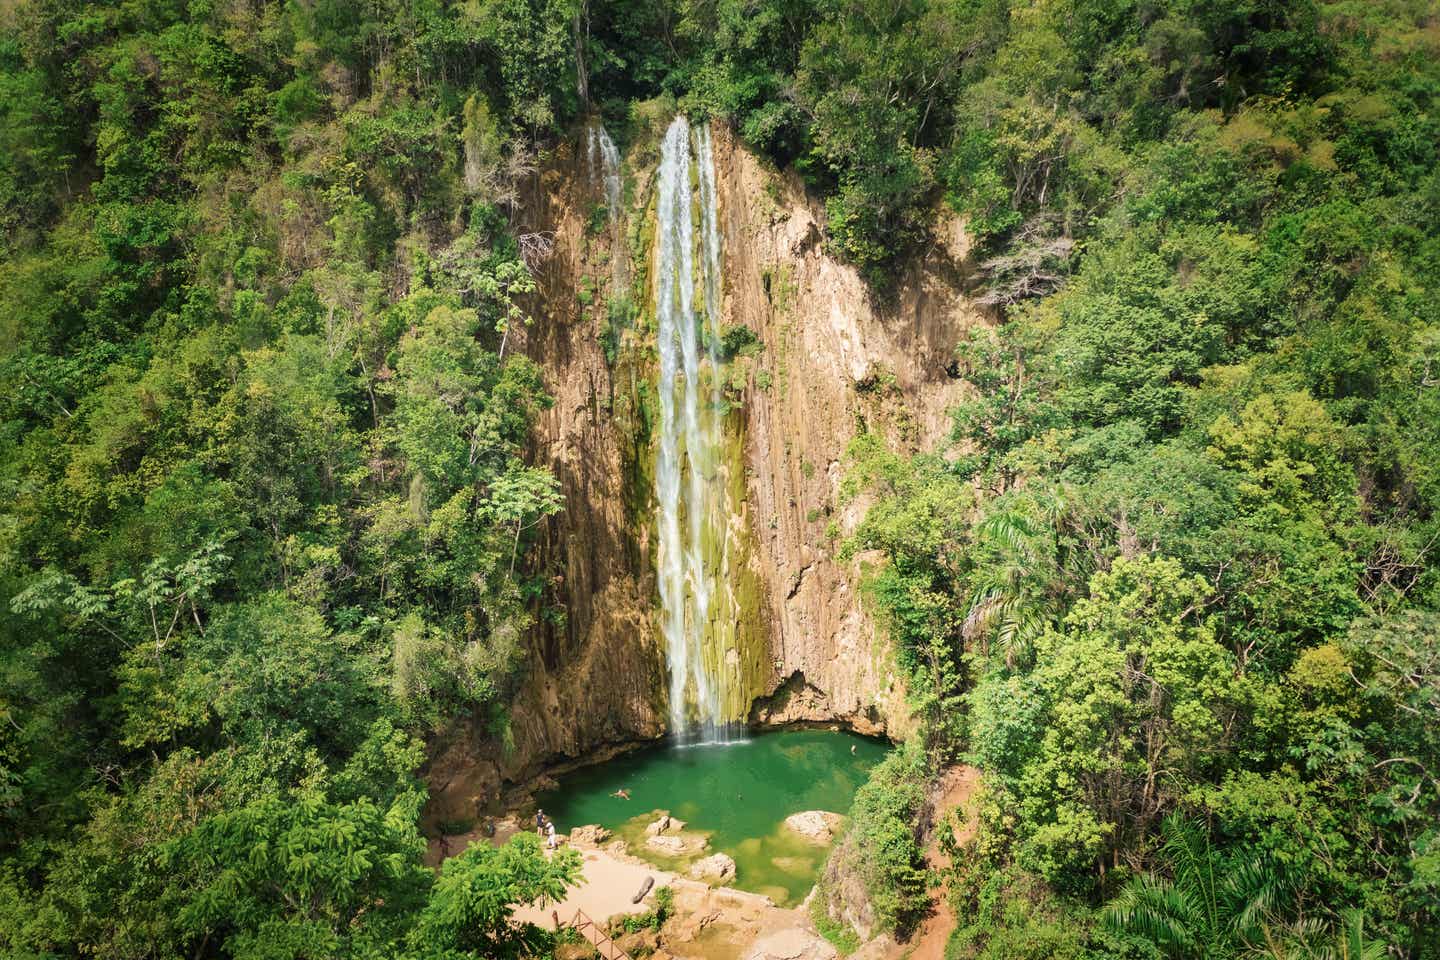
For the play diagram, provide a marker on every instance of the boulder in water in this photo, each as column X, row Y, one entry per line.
column 817, row 826
column 665, row 824
column 590, row 835
column 716, row 868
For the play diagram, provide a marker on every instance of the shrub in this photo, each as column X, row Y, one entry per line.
column 883, row 820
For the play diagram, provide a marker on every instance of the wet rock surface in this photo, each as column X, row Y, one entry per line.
column 817, row 826
column 716, row 868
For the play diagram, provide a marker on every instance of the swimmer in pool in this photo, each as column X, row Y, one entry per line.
column 622, row 793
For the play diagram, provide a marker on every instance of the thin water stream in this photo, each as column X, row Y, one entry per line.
column 604, row 162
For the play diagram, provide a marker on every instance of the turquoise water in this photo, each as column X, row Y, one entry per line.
column 739, row 794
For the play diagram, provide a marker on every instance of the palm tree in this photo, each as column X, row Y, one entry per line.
column 1206, row 907
column 1315, row 940
column 1210, row 908
column 1015, row 592
column 1010, row 600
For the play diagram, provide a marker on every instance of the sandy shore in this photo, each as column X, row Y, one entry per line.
column 605, row 890
column 708, row 923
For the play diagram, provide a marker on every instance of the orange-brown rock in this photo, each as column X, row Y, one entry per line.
column 832, row 361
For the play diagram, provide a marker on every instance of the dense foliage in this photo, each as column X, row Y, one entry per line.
column 1172, row 585
column 267, row 508
column 267, row 501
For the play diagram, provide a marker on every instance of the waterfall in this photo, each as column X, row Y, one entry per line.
column 604, row 162
column 710, row 244
column 698, row 610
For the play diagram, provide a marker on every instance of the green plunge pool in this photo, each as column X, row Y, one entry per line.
column 739, row 794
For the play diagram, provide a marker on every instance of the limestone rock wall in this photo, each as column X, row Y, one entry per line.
column 831, row 363
column 834, row 363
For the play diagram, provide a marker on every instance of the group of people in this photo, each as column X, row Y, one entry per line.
column 545, row 828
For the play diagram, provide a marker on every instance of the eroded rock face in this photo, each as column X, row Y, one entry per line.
column 791, row 944
column 835, row 362
column 846, row 899
column 817, row 826
column 716, row 868
column 831, row 362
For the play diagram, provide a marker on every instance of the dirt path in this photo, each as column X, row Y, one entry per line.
column 957, row 788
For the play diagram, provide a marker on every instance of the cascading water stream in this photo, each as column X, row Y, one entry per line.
column 698, row 609
column 604, row 161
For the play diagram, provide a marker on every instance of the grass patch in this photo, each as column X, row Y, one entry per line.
column 841, row 937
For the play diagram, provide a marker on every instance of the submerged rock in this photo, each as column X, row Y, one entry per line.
column 676, row 846
column 716, row 868
column 798, row 866
column 817, row 826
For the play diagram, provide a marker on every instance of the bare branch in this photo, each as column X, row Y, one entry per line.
column 536, row 248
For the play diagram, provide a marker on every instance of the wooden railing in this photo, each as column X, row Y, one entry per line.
column 597, row 936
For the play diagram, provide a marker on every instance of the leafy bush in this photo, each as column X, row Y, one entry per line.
column 881, row 840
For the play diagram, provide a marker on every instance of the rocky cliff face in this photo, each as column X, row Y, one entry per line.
column 836, row 363
column 831, row 362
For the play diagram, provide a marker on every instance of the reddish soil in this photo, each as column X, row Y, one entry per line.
column 956, row 790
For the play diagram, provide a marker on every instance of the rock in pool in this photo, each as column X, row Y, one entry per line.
column 590, row 835
column 666, row 824
column 675, row 846
column 817, row 826
column 716, row 868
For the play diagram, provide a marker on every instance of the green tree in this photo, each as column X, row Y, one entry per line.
column 1206, row 907
column 469, row 909
column 1137, row 698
